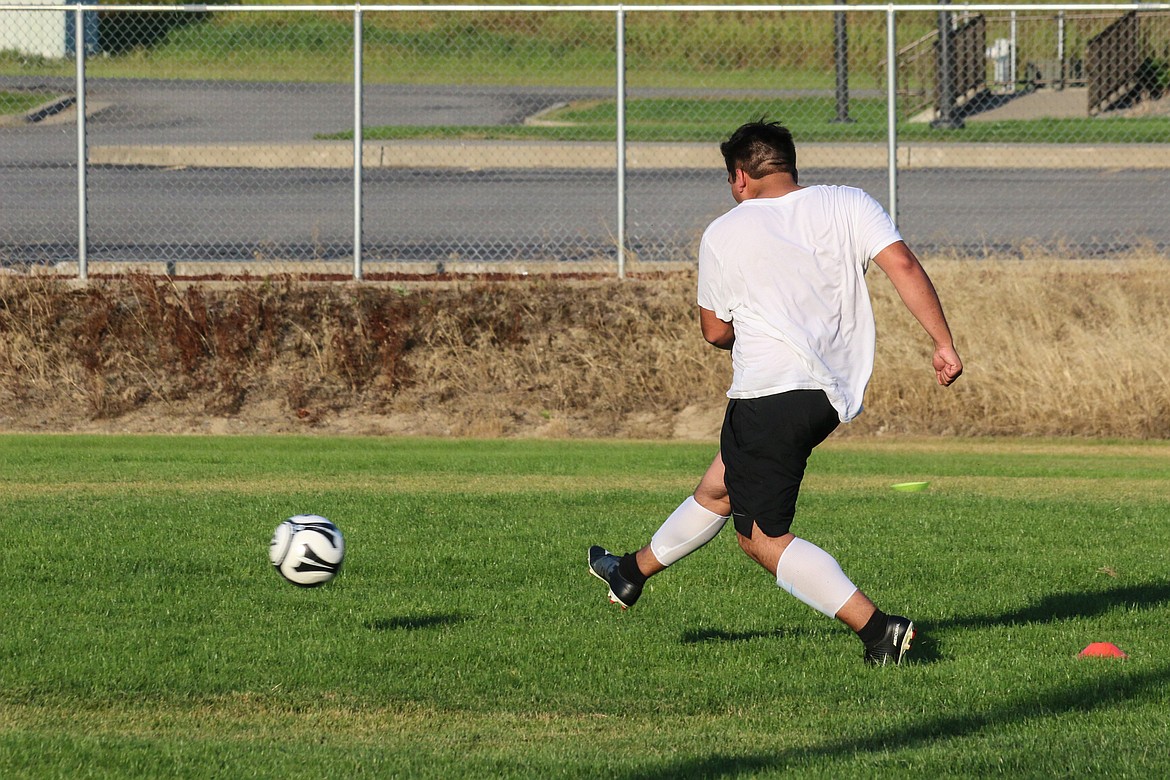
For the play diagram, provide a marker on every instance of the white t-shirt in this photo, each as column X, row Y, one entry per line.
column 789, row 273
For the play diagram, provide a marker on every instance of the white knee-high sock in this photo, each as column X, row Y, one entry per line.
column 813, row 576
column 687, row 529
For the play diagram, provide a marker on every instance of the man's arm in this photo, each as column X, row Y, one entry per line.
column 918, row 293
column 717, row 332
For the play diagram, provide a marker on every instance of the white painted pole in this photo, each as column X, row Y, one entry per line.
column 1060, row 48
column 79, row 104
column 357, row 143
column 892, row 108
column 621, row 142
column 1015, row 43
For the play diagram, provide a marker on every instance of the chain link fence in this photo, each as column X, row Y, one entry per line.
column 206, row 141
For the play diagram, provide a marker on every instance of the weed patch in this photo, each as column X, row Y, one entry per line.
column 1052, row 348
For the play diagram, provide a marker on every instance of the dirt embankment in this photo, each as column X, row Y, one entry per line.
column 1051, row 347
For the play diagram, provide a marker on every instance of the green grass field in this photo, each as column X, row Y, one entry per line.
column 707, row 53
column 809, row 118
column 21, row 102
column 145, row 634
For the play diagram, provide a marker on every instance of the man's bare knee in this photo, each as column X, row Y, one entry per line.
column 714, row 500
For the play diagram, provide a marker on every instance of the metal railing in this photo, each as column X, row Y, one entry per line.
column 1114, row 61
column 644, row 179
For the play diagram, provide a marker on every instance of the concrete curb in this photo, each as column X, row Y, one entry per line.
column 480, row 155
column 59, row 111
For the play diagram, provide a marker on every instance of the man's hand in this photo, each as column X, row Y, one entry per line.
column 947, row 365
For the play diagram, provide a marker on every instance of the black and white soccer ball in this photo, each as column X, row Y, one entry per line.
column 307, row 550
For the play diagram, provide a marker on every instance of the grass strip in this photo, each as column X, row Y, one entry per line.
column 811, row 120
column 145, row 635
column 21, row 102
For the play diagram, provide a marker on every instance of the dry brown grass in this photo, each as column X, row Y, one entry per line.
column 1052, row 348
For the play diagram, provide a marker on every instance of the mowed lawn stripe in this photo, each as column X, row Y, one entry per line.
column 146, row 634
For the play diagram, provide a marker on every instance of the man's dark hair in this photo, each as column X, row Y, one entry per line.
column 759, row 149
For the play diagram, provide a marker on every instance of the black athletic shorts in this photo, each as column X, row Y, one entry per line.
column 765, row 445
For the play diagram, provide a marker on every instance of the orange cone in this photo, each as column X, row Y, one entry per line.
column 1102, row 650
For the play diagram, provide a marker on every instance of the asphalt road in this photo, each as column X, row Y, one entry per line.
column 179, row 111
column 139, row 213
column 493, row 215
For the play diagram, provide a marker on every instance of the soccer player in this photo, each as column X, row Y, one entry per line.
column 782, row 285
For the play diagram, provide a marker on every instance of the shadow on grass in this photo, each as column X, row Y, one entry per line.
column 1063, row 606
column 1084, row 697
column 1050, row 608
column 694, row 636
column 414, row 622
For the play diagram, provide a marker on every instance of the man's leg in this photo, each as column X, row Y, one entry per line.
column 815, row 578
column 811, row 575
column 696, row 521
column 765, row 444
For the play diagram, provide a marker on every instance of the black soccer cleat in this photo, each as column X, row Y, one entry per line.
column 893, row 645
column 604, row 566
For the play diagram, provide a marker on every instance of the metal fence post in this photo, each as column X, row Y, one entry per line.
column 1060, row 34
column 892, row 109
column 841, row 56
column 82, row 205
column 620, row 46
column 357, row 142
column 946, row 119
column 1014, row 48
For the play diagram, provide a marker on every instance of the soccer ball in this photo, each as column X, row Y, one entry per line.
column 307, row 550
